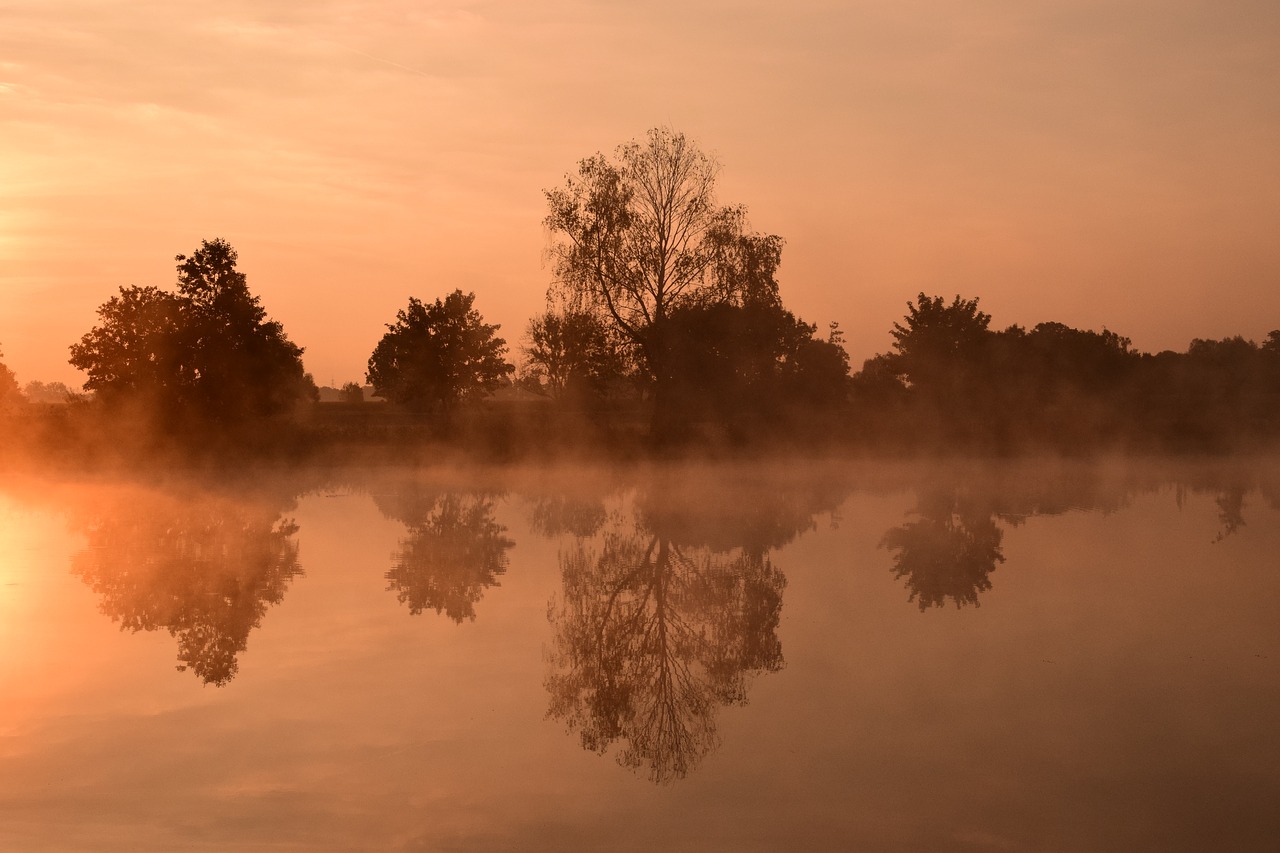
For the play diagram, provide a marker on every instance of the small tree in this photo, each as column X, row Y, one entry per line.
column 352, row 393
column 572, row 352
column 435, row 356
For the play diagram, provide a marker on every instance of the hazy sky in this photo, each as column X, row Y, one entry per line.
column 1099, row 163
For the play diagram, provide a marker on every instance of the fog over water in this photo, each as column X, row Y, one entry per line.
column 827, row 656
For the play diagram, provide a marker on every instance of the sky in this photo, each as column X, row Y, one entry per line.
column 1102, row 164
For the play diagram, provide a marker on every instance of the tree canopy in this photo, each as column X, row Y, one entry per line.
column 436, row 355
column 207, row 351
column 572, row 354
column 10, row 396
column 642, row 235
column 641, row 241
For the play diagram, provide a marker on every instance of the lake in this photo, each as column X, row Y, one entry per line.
column 963, row 655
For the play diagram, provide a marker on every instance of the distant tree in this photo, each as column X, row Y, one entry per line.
column 642, row 235
column 48, row 392
column 572, row 353
column 207, row 351
column 9, row 394
column 936, row 341
column 436, row 355
column 1272, row 344
column 352, row 393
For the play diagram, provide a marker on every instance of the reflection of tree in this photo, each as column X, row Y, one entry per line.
column 556, row 514
column 653, row 634
column 1230, row 502
column 949, row 552
column 205, row 570
column 455, row 550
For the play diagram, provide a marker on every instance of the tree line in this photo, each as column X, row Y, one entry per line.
column 665, row 307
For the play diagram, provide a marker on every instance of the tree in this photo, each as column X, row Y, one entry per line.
column 937, row 341
column 753, row 362
column 436, row 355
column 48, row 392
column 208, row 352
column 642, row 235
column 10, row 396
column 351, row 393
column 572, row 353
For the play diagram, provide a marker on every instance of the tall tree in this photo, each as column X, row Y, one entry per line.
column 436, row 355
column 642, row 235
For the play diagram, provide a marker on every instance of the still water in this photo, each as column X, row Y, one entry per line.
column 970, row 657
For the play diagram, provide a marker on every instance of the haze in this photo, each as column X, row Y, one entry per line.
column 1097, row 164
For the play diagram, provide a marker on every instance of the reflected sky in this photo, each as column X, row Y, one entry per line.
column 754, row 640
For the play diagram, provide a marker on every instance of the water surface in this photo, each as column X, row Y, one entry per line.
column 824, row 657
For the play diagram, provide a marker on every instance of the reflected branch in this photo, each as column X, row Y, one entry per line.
column 651, row 638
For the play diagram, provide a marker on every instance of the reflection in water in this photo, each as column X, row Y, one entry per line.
column 559, row 514
column 1231, row 505
column 454, row 550
column 949, row 552
column 651, row 638
column 668, row 620
column 205, row 569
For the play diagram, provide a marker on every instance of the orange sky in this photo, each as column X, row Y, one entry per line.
column 1094, row 162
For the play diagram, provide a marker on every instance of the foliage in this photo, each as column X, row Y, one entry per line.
column 436, row 355
column 352, row 393
column 10, row 397
column 572, row 354
column 49, row 392
column 755, row 362
column 208, row 351
column 642, row 236
column 937, row 341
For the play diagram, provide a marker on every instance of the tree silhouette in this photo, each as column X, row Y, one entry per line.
column 436, row 355
column 572, row 353
column 949, row 552
column 935, row 340
column 207, row 352
column 454, row 550
column 751, row 365
column 642, row 235
column 10, row 396
column 205, row 569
